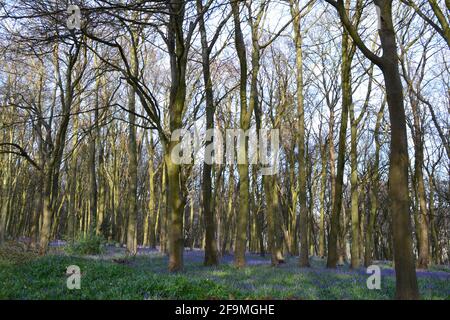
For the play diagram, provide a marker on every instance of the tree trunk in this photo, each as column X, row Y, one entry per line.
column 242, row 217
column 323, row 182
column 355, row 257
column 132, row 157
column 151, row 215
column 348, row 51
column 422, row 214
column 406, row 280
column 304, row 249
column 211, row 257
column 375, row 176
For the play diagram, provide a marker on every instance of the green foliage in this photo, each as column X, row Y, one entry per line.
column 146, row 277
column 443, row 268
column 13, row 252
column 89, row 244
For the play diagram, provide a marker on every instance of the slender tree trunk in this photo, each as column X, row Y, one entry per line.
column 102, row 192
column 355, row 254
column 152, row 214
column 132, row 157
column 51, row 167
column 92, row 182
column 4, row 203
column 229, row 214
column 304, row 256
column 434, row 233
column 271, row 241
column 375, row 176
column 72, row 207
column 211, row 256
column 242, row 217
column 163, row 242
column 422, row 214
column 6, row 194
column 323, row 174
column 44, row 230
column 347, row 57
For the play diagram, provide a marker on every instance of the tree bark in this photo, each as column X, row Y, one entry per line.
column 132, row 155
column 211, row 256
column 348, row 51
column 242, row 217
column 406, row 280
column 304, row 248
column 375, row 176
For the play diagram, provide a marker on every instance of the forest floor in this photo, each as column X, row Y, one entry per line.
column 112, row 275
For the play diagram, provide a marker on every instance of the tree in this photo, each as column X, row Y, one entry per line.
column 348, row 51
column 406, row 280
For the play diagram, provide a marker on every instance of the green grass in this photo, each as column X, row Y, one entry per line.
column 146, row 277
